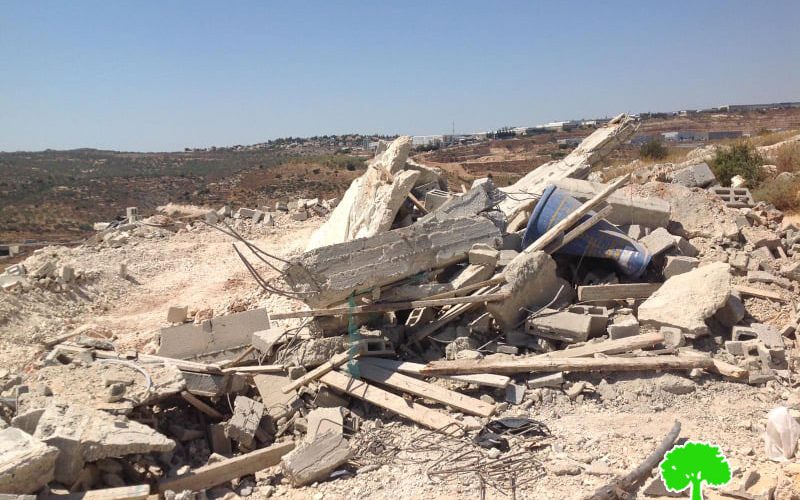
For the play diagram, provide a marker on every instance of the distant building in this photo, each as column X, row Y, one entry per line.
column 724, row 134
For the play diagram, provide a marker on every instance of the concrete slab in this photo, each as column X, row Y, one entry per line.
column 223, row 332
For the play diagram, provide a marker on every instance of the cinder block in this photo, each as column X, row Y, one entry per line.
column 599, row 318
column 483, row 255
column 560, row 325
column 515, row 393
column 177, row 314
column 676, row 265
column 658, row 241
column 699, row 175
column 247, row 415
column 734, row 197
column 623, row 326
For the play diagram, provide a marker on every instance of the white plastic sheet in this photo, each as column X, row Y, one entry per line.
column 782, row 434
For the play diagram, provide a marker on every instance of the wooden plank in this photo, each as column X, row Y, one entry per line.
column 495, row 280
column 413, row 411
column 757, row 292
column 570, row 220
column 201, row 405
column 389, row 306
column 407, row 367
column 423, row 389
column 417, row 203
column 211, row 475
column 618, row 291
column 137, row 492
column 536, row 364
column 249, row 370
column 187, row 366
column 608, row 347
column 328, row 366
column 721, row 367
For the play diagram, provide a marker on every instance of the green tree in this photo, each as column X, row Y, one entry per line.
column 691, row 465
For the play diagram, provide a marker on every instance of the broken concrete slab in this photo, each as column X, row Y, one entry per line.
column 627, row 209
column 687, row 300
column 86, row 435
column 658, row 241
column 312, row 462
column 555, row 380
column 330, row 274
column 598, row 317
column 214, row 339
column 26, row 463
column 479, row 198
column 315, row 352
column 324, row 420
column 277, row 405
column 177, row 314
column 370, row 204
column 759, row 237
column 242, row 425
column 483, row 255
column 265, row 340
column 678, row 264
column 531, row 283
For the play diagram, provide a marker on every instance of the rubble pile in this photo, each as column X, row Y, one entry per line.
column 454, row 312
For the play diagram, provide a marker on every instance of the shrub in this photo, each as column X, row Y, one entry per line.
column 784, row 195
column 739, row 159
column 787, row 158
column 653, row 149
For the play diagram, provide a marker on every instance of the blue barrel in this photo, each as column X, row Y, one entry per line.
column 602, row 240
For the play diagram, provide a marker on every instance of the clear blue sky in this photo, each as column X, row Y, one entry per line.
column 162, row 75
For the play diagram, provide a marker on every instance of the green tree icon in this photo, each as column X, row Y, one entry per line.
column 691, row 465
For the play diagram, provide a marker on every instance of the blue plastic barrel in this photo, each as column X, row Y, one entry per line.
column 602, row 240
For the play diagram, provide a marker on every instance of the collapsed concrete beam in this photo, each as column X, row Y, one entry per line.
column 626, row 208
column 330, row 274
column 577, row 164
column 370, row 204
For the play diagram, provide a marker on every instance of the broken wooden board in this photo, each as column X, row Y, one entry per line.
column 619, row 291
column 211, row 475
column 757, row 292
column 537, row 364
column 616, row 346
column 137, row 492
column 407, row 367
column 413, row 411
column 423, row 389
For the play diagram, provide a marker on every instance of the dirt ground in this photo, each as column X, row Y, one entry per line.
column 607, row 430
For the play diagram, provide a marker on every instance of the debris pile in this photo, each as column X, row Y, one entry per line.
column 452, row 311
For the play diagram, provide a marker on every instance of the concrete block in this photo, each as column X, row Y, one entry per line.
column 658, row 241
column 734, row 197
column 26, row 464
column 67, row 274
column 507, row 257
column 277, row 405
column 739, row 261
column 623, row 326
column 685, row 248
column 699, row 175
column 435, row 198
column 759, row 237
column 325, row 398
column 299, row 215
column 598, row 316
column 554, row 380
column 177, row 314
column 269, row 219
column 626, row 209
column 743, row 333
column 242, row 425
column 324, row 420
column 132, row 214
column 483, row 255
column 636, row 231
column 312, row 462
column 220, row 334
column 773, row 358
column 732, row 312
column 257, row 215
column 768, row 278
column 218, row 441
column 330, row 274
column 281, row 206
column 515, row 393
column 560, row 325
column 678, row 265
column 770, row 336
column 473, row 273
column 44, row 270
column 224, row 211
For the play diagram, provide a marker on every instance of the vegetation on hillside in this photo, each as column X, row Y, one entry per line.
column 741, row 159
column 653, row 150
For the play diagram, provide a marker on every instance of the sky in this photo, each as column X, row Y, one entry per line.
column 164, row 75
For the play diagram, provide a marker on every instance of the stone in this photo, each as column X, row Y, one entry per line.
column 277, row 405
column 673, row 337
column 768, row 335
column 295, row 372
column 480, row 197
column 768, row 278
column 67, row 274
column 532, row 283
column 44, row 270
column 554, row 380
column 636, row 231
column 330, row 274
column 281, row 206
column 212, row 217
column 674, row 384
column 739, row 261
column 515, row 393
column 265, row 340
column 791, row 271
column 246, row 417
column 732, row 312
column 759, row 237
column 658, row 241
column 687, row 300
column 325, row 398
column 299, row 215
column 26, row 463
column 312, row 462
column 83, row 434
column 699, row 175
column 622, row 326
column 177, row 314
column 560, row 325
column 314, row 352
column 473, row 273
column 324, row 420
column 483, row 255
column 269, row 219
column 676, row 265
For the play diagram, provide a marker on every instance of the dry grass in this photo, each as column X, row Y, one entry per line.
column 784, row 195
column 787, row 158
column 179, row 210
column 772, row 138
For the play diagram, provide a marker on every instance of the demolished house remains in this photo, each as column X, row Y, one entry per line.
column 445, row 309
